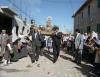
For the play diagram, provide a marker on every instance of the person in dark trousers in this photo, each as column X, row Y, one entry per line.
column 41, row 38
column 56, row 37
column 29, row 47
column 36, row 44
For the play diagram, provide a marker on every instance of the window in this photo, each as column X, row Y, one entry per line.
column 82, row 15
column 98, row 27
column 89, row 10
column 81, row 30
column 88, row 29
column 98, row 3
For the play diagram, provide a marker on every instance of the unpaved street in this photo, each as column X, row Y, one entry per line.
column 64, row 67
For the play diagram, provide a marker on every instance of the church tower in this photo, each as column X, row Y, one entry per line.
column 49, row 23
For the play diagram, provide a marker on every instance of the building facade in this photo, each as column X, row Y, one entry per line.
column 87, row 18
column 13, row 25
column 6, row 18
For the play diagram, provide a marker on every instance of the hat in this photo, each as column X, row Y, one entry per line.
column 3, row 30
column 94, row 34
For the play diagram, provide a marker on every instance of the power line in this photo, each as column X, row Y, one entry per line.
column 20, row 10
column 56, row 1
column 71, row 5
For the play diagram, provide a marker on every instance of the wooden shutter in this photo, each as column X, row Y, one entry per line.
column 98, row 27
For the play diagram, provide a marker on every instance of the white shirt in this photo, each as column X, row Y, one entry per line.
column 4, row 34
column 14, row 36
column 65, row 38
column 77, row 35
column 22, row 38
column 76, row 43
column 35, row 35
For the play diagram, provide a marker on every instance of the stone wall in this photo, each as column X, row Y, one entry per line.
column 82, row 21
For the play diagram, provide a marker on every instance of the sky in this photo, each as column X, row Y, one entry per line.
column 61, row 11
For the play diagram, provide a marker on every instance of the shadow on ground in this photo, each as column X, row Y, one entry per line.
column 85, row 69
column 66, row 58
column 48, row 54
column 12, row 70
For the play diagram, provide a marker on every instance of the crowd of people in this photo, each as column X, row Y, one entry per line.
column 33, row 43
column 84, row 47
column 81, row 46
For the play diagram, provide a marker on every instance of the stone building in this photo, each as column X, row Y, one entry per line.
column 49, row 24
column 12, row 23
column 87, row 17
column 47, row 29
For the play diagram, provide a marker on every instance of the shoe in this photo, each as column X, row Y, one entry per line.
column 54, row 61
column 75, row 61
column 9, row 62
column 33, row 61
column 78, row 62
column 36, row 59
column 5, row 62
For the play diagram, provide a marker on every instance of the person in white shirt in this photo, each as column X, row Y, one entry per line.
column 65, row 39
column 78, row 46
column 3, row 43
column 97, row 56
column 22, row 37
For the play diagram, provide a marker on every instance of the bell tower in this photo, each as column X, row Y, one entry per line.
column 49, row 21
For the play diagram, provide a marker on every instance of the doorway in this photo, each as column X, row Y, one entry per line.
column 5, row 23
